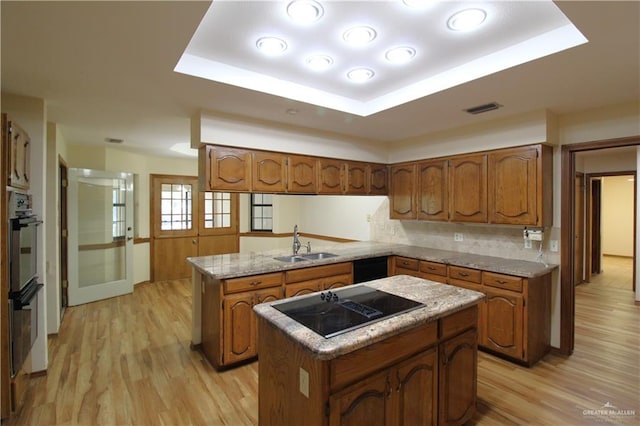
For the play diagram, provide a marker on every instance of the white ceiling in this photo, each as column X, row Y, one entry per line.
column 106, row 70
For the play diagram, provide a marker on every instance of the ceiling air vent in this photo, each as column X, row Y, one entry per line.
column 483, row 108
column 113, row 140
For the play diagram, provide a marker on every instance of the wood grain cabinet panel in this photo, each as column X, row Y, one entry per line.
column 330, row 176
column 239, row 338
column 378, row 179
column 301, row 177
column 458, row 360
column 364, row 403
column 269, row 172
column 468, row 177
column 356, row 178
column 433, row 190
column 519, row 189
column 504, row 316
column 18, row 142
column 402, row 193
column 224, row 169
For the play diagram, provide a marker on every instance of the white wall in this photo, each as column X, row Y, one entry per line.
column 617, row 216
column 31, row 115
column 637, row 228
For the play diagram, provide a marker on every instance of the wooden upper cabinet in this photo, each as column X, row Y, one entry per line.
column 330, row 176
column 520, row 190
column 356, row 181
column 402, row 194
column 468, row 184
column 433, row 190
column 378, row 179
column 224, row 169
column 18, row 145
column 269, row 172
column 302, row 176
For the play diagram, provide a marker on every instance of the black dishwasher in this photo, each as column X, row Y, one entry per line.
column 369, row 269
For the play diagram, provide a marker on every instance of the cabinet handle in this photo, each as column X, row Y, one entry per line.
column 501, row 281
column 254, row 283
column 389, row 387
column 463, row 274
column 431, row 268
column 405, row 263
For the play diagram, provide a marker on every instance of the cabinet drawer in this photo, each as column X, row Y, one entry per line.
column 406, row 263
column 236, row 285
column 458, row 322
column 507, row 282
column 315, row 272
column 465, row 274
column 433, row 268
column 361, row 363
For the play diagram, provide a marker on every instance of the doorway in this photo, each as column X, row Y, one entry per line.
column 567, row 231
column 610, row 218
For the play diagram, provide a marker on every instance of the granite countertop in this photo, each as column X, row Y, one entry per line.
column 440, row 301
column 243, row 264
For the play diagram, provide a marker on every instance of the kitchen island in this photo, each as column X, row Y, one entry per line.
column 417, row 367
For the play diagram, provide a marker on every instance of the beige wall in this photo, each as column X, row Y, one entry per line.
column 617, row 216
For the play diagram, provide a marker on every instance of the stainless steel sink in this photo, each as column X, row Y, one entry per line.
column 305, row 257
column 316, row 256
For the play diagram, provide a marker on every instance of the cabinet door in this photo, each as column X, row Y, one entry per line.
column 378, row 179
column 433, row 190
column 269, row 172
column 19, row 156
column 265, row 296
column 305, row 287
column 356, row 182
column 337, row 281
column 402, row 194
column 513, row 189
column 239, row 338
column 301, row 175
column 364, row 403
column 458, row 359
column 415, row 383
column 225, row 169
column 504, row 316
column 330, row 176
column 468, row 183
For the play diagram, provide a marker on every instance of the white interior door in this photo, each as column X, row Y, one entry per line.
column 100, row 244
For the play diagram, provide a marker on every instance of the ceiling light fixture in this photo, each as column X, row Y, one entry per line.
column 359, row 36
column 319, row 62
column 113, row 140
column 483, row 108
column 305, row 11
column 360, row 75
column 466, row 20
column 400, row 55
column 271, row 45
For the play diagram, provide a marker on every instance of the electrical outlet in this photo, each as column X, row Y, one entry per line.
column 304, row 382
column 527, row 243
column 553, row 245
column 368, row 218
column 457, row 236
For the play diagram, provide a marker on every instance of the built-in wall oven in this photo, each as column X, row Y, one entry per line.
column 23, row 278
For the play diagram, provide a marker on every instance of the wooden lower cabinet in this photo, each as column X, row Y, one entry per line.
column 433, row 271
column 504, row 317
column 407, row 379
column 309, row 280
column 403, row 395
column 458, row 385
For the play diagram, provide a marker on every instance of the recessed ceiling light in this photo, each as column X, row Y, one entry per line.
column 319, row 62
column 271, row 45
column 358, row 36
column 400, row 55
column 466, row 20
column 305, row 11
column 113, row 140
column 360, row 75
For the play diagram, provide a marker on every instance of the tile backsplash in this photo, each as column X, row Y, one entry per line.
column 491, row 240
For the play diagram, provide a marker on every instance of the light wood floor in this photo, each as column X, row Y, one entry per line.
column 617, row 272
column 127, row 361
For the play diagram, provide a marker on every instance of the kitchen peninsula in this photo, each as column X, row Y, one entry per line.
column 514, row 319
column 417, row 367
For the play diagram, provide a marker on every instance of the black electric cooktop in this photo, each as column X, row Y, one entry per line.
column 335, row 312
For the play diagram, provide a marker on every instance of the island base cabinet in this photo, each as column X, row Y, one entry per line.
column 403, row 395
column 458, row 378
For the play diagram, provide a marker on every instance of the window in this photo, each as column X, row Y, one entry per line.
column 118, row 199
column 217, row 210
column 176, row 207
column 261, row 212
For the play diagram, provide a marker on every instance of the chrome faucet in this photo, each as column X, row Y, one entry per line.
column 296, row 240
